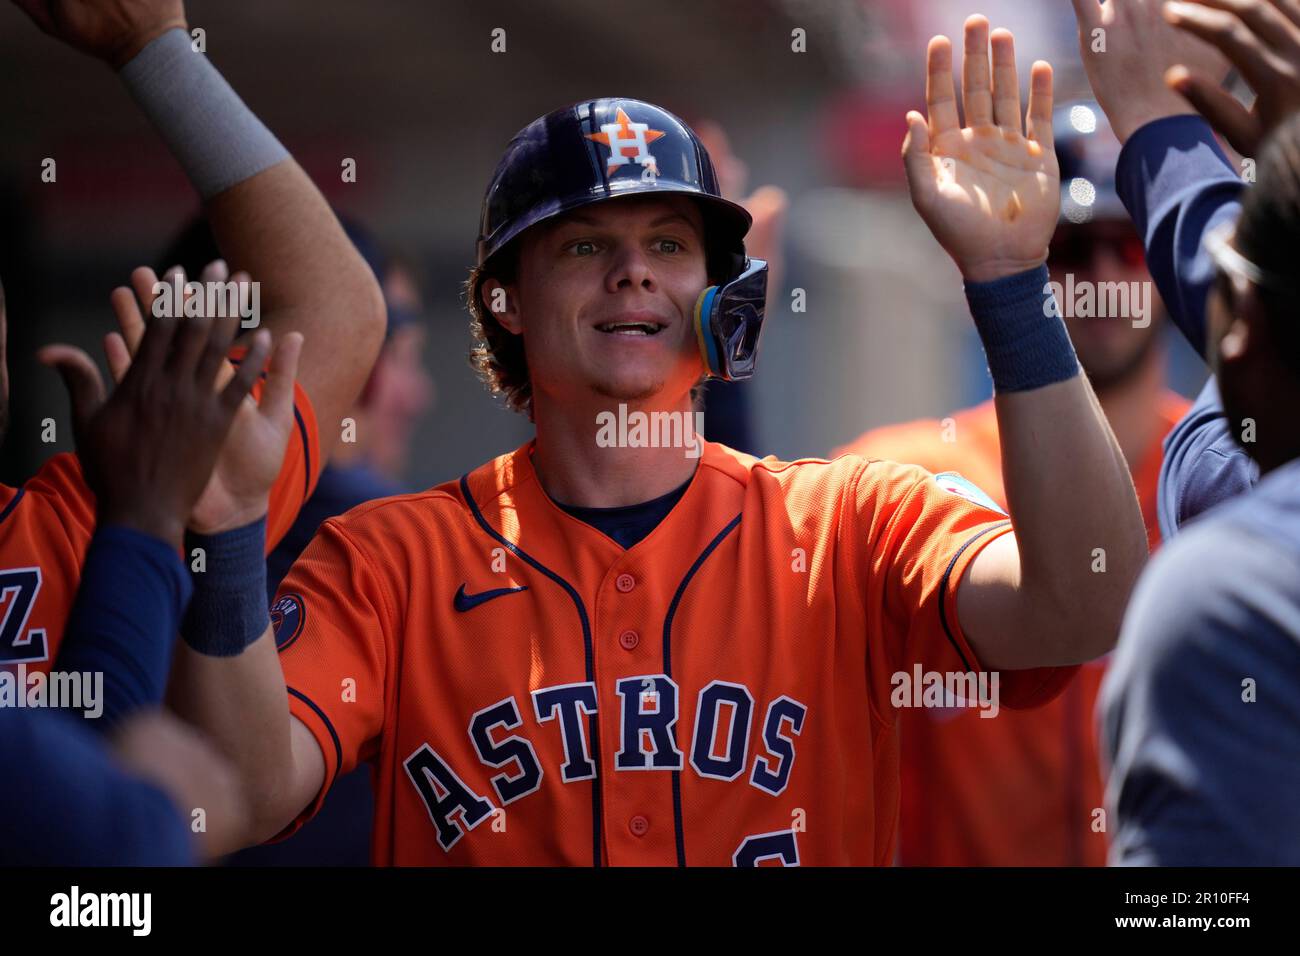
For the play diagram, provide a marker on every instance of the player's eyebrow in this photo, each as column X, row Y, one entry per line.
column 581, row 220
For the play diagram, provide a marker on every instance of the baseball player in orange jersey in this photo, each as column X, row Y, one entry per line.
column 269, row 220
column 600, row 651
column 1039, row 807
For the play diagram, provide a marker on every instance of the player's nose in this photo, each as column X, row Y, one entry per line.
column 630, row 268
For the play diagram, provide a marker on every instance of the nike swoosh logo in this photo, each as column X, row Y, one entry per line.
column 467, row 602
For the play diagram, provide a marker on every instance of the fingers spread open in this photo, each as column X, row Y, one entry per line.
column 976, row 84
column 1219, row 107
column 118, row 355
column 1222, row 29
column 81, row 378
column 1264, row 18
column 248, row 371
column 1087, row 13
column 916, row 153
column 215, row 271
column 222, row 333
column 1038, row 121
column 277, row 399
column 1006, row 84
column 156, row 343
column 940, row 96
column 132, row 322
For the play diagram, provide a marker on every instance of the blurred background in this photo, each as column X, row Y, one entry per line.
column 412, row 91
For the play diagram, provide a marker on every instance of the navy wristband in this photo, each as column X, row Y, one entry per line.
column 1019, row 322
column 228, row 611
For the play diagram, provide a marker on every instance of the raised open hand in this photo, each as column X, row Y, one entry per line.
column 988, row 190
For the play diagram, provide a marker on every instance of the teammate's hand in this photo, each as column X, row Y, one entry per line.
column 184, row 765
column 1262, row 40
column 110, row 30
column 988, row 192
column 250, row 459
column 767, row 204
column 1127, row 46
column 166, row 415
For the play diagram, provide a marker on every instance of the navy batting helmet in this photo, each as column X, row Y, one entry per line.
column 1086, row 151
column 604, row 149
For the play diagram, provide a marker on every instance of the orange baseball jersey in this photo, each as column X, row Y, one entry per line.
column 1018, row 789
column 528, row 692
column 46, row 527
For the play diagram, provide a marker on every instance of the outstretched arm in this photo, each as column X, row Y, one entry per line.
column 268, row 217
column 989, row 192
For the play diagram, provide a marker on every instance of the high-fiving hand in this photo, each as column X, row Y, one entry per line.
column 180, row 428
column 1262, row 40
column 251, row 458
column 989, row 192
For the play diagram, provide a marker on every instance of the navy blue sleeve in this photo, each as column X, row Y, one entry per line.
column 124, row 621
column 1177, row 185
column 65, row 803
column 1200, row 709
column 1203, row 464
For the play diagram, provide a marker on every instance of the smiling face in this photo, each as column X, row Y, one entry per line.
column 605, row 298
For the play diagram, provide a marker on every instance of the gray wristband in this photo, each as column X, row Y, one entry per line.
column 216, row 138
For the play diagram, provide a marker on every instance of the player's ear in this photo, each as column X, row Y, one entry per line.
column 502, row 304
column 1246, row 329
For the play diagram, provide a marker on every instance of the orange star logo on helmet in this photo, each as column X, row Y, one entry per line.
column 628, row 142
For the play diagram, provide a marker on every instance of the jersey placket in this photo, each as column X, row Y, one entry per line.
column 639, row 714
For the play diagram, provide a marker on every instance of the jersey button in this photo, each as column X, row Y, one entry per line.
column 625, row 582
column 629, row 640
column 639, row 825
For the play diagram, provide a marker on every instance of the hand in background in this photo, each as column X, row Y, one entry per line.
column 1261, row 38
column 1126, row 61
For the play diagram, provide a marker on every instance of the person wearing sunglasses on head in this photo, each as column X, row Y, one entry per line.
column 1037, row 809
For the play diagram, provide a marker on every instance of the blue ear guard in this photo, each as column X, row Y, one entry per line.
column 728, row 320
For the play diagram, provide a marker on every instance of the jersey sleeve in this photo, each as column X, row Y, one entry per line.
column 923, row 531
column 299, row 471
column 332, row 618
column 70, row 500
column 301, row 466
column 1202, row 466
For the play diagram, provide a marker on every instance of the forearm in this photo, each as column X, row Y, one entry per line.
column 1078, row 524
column 1078, row 528
column 226, row 679
column 241, row 705
column 1176, row 184
column 269, row 219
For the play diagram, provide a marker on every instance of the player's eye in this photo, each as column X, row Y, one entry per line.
column 670, row 246
column 583, row 247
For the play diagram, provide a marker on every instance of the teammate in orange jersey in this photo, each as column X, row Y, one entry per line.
column 271, row 221
column 1024, row 789
column 613, row 647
